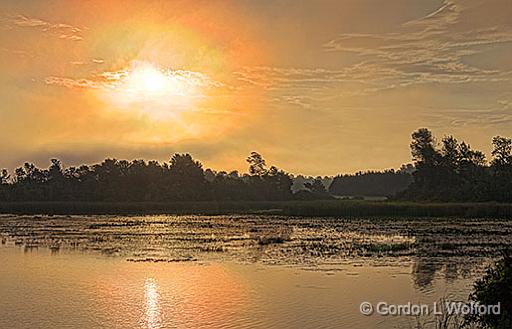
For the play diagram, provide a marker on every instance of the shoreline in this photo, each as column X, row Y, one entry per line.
column 317, row 208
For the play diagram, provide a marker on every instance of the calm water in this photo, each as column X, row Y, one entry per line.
column 233, row 272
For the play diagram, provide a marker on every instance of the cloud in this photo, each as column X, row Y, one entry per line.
column 71, row 83
column 447, row 14
column 110, row 80
column 471, row 117
column 59, row 30
column 429, row 49
column 432, row 49
column 306, row 87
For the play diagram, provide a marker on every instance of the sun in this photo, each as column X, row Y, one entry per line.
column 147, row 79
column 159, row 93
column 167, row 103
column 152, row 80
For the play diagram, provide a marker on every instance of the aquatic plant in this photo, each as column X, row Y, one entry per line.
column 493, row 288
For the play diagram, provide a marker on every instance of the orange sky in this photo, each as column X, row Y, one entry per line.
column 316, row 87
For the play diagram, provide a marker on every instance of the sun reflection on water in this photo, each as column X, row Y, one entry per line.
column 152, row 315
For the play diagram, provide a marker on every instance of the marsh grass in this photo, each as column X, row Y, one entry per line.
column 354, row 208
column 317, row 208
column 380, row 248
column 272, row 237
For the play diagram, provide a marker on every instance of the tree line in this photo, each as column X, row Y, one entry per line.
column 181, row 179
column 373, row 183
column 450, row 170
column 447, row 170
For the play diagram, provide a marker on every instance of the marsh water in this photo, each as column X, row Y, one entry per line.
column 234, row 271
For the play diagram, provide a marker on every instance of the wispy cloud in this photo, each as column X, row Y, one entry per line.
column 113, row 79
column 448, row 13
column 429, row 49
column 481, row 117
column 72, row 83
column 59, row 30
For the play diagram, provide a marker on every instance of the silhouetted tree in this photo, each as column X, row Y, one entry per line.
column 4, row 177
column 455, row 172
column 502, row 153
column 257, row 165
column 230, row 187
column 450, row 171
column 186, row 178
column 316, row 187
column 4, row 184
column 314, row 190
column 423, row 147
column 263, row 184
column 182, row 179
column 279, row 184
column 501, row 166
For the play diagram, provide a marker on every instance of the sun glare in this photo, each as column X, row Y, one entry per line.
column 174, row 102
column 147, row 80
column 150, row 79
column 159, row 93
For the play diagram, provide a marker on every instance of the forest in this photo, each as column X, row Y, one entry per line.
column 451, row 171
column 182, row 179
column 442, row 171
column 373, row 183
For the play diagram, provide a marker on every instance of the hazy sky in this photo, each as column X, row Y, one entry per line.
column 317, row 87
